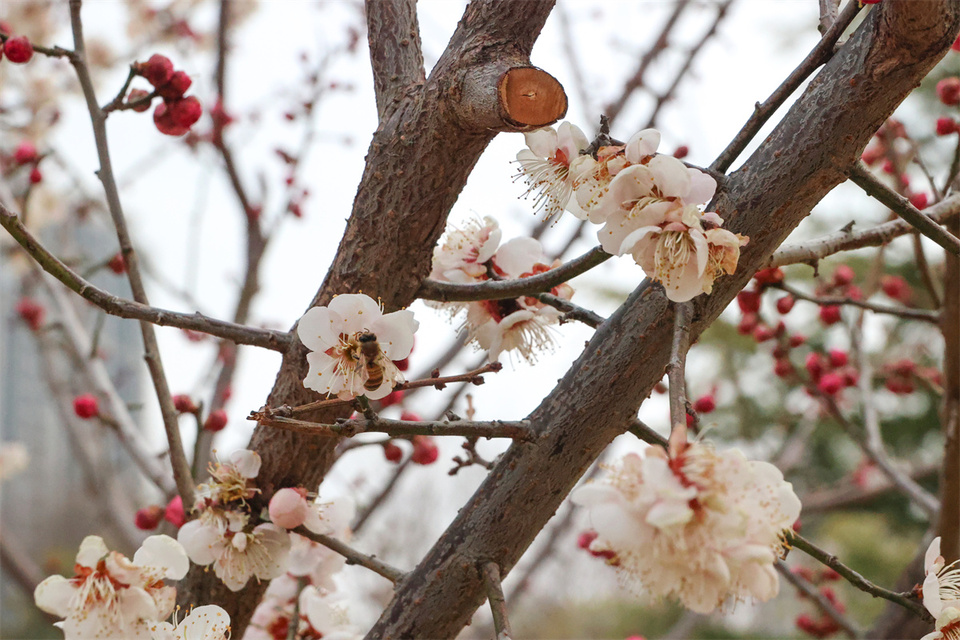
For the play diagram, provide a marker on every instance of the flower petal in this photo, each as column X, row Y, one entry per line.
column 165, row 553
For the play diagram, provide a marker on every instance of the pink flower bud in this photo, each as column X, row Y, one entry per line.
column 897, row 288
column 946, row 126
column 424, row 450
column 762, row 333
column 919, row 200
column 681, row 152
column 184, row 403
column 148, row 518
column 796, row 340
column 392, row 452
column 785, row 304
column 705, row 404
column 769, row 276
column 782, row 368
column 749, row 301
column 814, row 365
column 830, row 383
column 216, row 421
column 838, row 358
column 31, row 312
column 165, row 123
column 175, row 87
column 157, row 70
column 18, row 50
column 86, row 406
column 185, row 111
column 288, row 508
column 25, row 153
column 174, row 513
column 410, row 416
column 843, row 275
column 829, row 314
column 747, row 324
column 585, row 539
column 117, row 264
column 948, row 90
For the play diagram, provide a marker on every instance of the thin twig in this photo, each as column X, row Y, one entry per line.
column 828, row 15
column 682, row 312
column 812, row 251
column 819, row 55
column 513, row 288
column 571, row 312
column 901, row 312
column 862, row 177
column 907, row 601
column 807, row 589
column 645, row 433
column 498, row 605
column 515, row 430
column 130, row 309
column 353, row 556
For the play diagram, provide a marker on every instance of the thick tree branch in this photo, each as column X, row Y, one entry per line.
column 395, row 50
column 801, row 160
column 517, row 430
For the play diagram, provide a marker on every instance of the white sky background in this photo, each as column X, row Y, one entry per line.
column 757, row 45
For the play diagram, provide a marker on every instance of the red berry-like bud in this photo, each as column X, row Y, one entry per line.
column 749, row 301
column 946, row 126
column 956, row 44
column 872, row 154
column 165, row 123
column 814, row 365
column 5, row 28
column 829, row 314
column 36, row 177
column 86, row 406
column 838, row 358
column 216, row 421
column 157, row 70
column 117, row 264
column 184, row 403
column 854, row 292
column 410, row 416
column 137, row 94
column 392, row 398
column 782, row 368
column 896, row 287
column 887, row 167
column 585, row 539
column 174, row 513
column 186, row 111
column 424, row 450
column 148, row 518
column 829, row 575
column 948, row 90
column 843, row 275
column 769, row 276
column 747, row 324
column 31, row 312
column 785, row 304
column 919, row 200
column 762, row 333
column 681, row 152
column 705, row 404
column 830, row 383
column 25, row 153
column 690, row 420
column 850, row 376
column 796, row 340
column 402, row 365
column 392, row 452
column 18, row 50
column 175, row 87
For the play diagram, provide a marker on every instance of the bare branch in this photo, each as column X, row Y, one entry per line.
column 901, row 312
column 828, row 15
column 503, row 289
column 571, row 311
column 807, row 589
column 676, row 369
column 516, row 430
column 498, row 605
column 902, row 207
column 353, row 556
column 123, row 308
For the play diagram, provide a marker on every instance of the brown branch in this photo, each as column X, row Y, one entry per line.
column 395, row 50
column 515, row 430
column 130, row 309
column 498, row 605
column 353, row 556
column 907, row 601
column 514, row 288
column 815, row 250
column 676, row 372
column 862, row 177
column 571, row 311
column 900, row 312
column 820, row 54
column 949, row 525
column 807, row 589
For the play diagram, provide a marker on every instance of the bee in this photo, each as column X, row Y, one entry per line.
column 370, row 357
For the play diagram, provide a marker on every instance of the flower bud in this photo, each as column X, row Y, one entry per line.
column 25, row 153
column 136, row 94
column 785, row 304
column 184, row 403
column 175, row 87
column 773, row 275
column 174, row 513
column 948, row 90
column 762, row 333
column 31, row 312
column 148, row 518
column 814, row 365
column 843, row 275
column 705, row 404
column 919, row 200
column 86, row 406
column 424, row 450
column 830, row 383
column 157, row 70
column 18, row 50
column 288, row 508
column 749, row 301
column 838, row 358
column 216, row 421
column 117, row 264
column 829, row 314
column 392, row 398
column 782, row 368
column 946, row 126
column 392, row 452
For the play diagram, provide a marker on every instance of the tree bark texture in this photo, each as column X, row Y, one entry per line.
column 800, row 162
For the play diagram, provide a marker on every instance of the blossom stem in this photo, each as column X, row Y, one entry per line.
column 902, row 312
column 514, row 287
column 645, row 433
column 498, row 604
column 515, row 430
column 675, row 372
column 905, row 600
column 862, row 177
column 807, row 589
column 353, row 556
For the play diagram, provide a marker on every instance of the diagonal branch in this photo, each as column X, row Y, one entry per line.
column 395, row 50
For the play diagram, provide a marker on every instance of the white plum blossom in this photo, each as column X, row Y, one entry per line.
column 545, row 165
column 208, row 622
column 703, row 527
column 231, row 481
column 947, row 626
column 941, row 593
column 464, row 252
column 112, row 598
column 592, row 178
column 325, row 617
column 338, row 335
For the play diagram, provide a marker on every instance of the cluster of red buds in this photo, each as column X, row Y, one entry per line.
column 831, row 372
column 749, row 302
column 178, row 112
column 901, row 376
column 839, row 286
column 17, row 50
column 880, row 149
column 24, row 157
column 149, row 518
column 948, row 91
column 823, row 625
column 897, row 288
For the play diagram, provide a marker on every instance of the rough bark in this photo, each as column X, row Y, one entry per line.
column 417, row 164
column 800, row 162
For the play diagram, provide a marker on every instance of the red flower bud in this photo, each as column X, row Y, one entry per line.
column 830, row 383
column 25, row 153
column 705, row 404
column 165, row 123
column 897, row 288
column 136, row 94
column 184, row 403
column 392, row 452
column 216, row 421
column 762, row 333
column 769, row 276
column 392, row 398
column 782, row 368
column 796, row 340
column 424, row 450
column 86, row 406
column 174, row 513
column 829, row 314
column 946, row 126
column 681, row 152
column 36, row 177
column 18, row 50
column 785, row 304
column 585, row 539
column 175, row 87
column 31, row 312
column 838, row 358
column 749, row 301
column 117, row 264
column 948, row 90
column 843, row 275
column 410, row 416
column 747, row 324
column 185, row 111
column 148, row 518
column 157, row 70
column 814, row 365
column 919, row 200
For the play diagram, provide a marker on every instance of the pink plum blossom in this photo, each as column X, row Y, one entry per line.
column 545, row 165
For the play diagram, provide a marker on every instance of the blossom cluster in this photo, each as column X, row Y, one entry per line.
column 113, row 598
column 650, row 205
column 473, row 254
column 703, row 526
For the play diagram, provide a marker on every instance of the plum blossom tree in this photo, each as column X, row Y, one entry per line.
column 685, row 514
